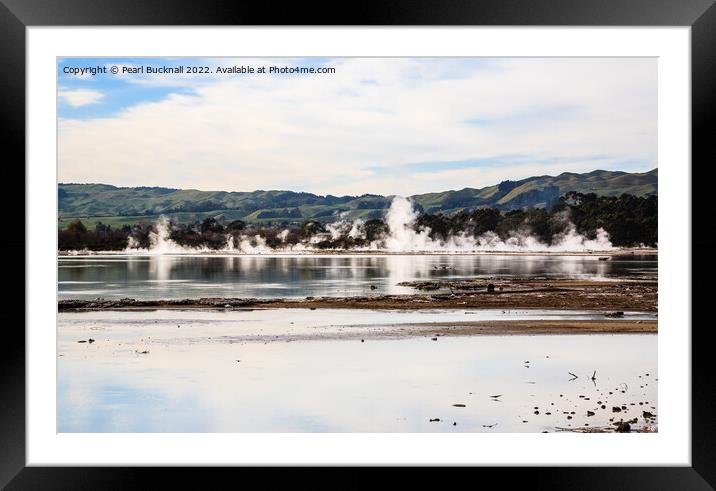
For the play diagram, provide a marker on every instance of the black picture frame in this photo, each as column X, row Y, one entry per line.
column 16, row 15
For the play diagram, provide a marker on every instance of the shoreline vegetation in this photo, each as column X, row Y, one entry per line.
column 611, row 297
column 576, row 222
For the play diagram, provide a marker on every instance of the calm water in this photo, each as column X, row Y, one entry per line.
column 189, row 379
column 262, row 276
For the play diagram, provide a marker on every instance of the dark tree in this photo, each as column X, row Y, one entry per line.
column 311, row 228
column 484, row 220
column 211, row 225
column 236, row 225
column 76, row 227
column 375, row 229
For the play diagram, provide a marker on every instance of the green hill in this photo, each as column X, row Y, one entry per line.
column 117, row 205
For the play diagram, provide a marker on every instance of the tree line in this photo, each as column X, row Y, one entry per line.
column 630, row 221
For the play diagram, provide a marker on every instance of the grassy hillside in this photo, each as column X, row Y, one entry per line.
column 118, row 206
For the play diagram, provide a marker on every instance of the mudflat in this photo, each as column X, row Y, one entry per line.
column 611, row 296
column 507, row 327
column 441, row 330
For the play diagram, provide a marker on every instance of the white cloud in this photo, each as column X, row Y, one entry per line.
column 80, row 97
column 338, row 134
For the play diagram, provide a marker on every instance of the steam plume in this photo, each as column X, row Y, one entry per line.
column 403, row 237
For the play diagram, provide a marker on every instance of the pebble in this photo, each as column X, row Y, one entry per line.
column 623, row 427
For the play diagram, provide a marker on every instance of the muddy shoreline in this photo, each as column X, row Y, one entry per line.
column 559, row 294
column 507, row 327
column 439, row 330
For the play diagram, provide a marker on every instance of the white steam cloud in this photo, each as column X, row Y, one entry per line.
column 403, row 237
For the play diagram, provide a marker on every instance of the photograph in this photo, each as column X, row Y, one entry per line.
column 357, row 245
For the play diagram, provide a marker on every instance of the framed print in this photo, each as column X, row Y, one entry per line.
column 433, row 235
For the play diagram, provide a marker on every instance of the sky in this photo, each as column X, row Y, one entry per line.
column 375, row 125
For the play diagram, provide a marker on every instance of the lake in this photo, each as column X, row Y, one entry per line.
column 335, row 370
column 172, row 277
column 279, row 370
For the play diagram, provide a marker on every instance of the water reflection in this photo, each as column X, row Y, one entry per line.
column 299, row 276
column 344, row 386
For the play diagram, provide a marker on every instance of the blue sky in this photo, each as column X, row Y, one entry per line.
column 118, row 93
column 376, row 125
column 122, row 91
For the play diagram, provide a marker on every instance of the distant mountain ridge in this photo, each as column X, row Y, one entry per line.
column 116, row 205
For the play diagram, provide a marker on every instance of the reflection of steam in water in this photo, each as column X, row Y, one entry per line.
column 160, row 268
column 403, row 236
column 162, row 276
column 406, row 268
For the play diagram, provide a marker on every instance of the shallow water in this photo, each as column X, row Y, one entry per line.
column 190, row 380
column 153, row 277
